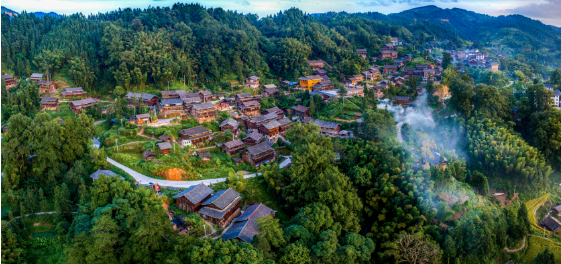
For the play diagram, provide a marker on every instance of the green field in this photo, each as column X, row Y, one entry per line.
column 537, row 245
column 531, row 206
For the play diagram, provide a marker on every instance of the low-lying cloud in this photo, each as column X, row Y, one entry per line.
column 548, row 9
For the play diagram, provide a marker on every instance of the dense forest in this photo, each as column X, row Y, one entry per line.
column 365, row 199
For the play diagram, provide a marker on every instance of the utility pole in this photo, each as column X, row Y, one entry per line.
column 168, row 85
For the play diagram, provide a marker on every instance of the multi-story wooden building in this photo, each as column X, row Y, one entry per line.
column 323, row 86
column 205, row 96
column 243, row 97
column 46, row 86
column 285, row 124
column 275, row 110
column 189, row 100
column 250, row 108
column 402, row 100
column 171, row 105
column 326, row 127
column 389, row 69
column 316, row 63
column 233, row 147
column 142, row 119
column 77, row 106
column 302, row 111
column 252, row 82
column 253, row 139
column 229, row 124
column 195, row 136
column 358, row 91
column 270, row 130
column 221, row 207
column 320, row 72
column 387, row 54
column 73, row 92
column 36, row 77
column 204, row 112
column 134, row 99
column 387, row 47
column 259, row 154
column 10, row 82
column 192, row 198
column 165, row 148
column 306, row 83
column 173, row 94
column 361, row 52
column 255, row 122
column 270, row 92
column 49, row 103
column 245, row 227
column 493, row 66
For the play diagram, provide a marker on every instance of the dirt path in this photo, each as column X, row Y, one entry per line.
column 517, row 249
column 39, row 213
column 211, row 228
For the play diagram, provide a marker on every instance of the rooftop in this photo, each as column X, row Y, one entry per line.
column 164, row 145
column 259, row 148
column 230, row 122
column 172, row 101
column 233, row 143
column 196, row 193
column 222, row 198
column 193, row 131
column 203, row 106
column 245, row 227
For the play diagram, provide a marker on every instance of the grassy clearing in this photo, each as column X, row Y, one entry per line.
column 531, row 206
column 536, row 245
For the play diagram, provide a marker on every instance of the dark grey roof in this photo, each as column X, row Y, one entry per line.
column 171, row 101
column 140, row 95
column 229, row 121
column 552, row 223
column 189, row 98
column 249, row 103
column 272, row 124
column 164, row 145
column 83, row 101
column 274, row 109
column 262, row 118
column 325, row 124
column 219, row 214
column 548, row 86
column 245, row 227
column 193, row 131
column 46, row 82
column 271, row 90
column 7, row 76
column 75, row 89
column 48, row 99
column 255, row 136
column 147, row 154
column 243, row 95
column 390, row 66
column 107, row 173
column 557, row 208
column 36, row 75
column 196, row 193
column 233, row 143
column 205, row 93
column 203, row 106
column 164, row 137
column 143, row 116
column 270, row 86
column 284, row 121
column 300, row 108
column 259, row 148
column 402, row 98
column 222, row 198
column 254, row 77
column 436, row 158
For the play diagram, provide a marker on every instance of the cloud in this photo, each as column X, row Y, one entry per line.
column 243, row 2
column 549, row 9
column 392, row 2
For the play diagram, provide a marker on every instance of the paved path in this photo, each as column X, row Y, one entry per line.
column 286, row 162
column 39, row 213
column 98, row 122
column 143, row 179
column 517, row 249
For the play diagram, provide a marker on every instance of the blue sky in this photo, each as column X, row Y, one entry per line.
column 545, row 10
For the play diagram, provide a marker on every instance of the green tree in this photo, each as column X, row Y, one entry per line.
column 545, row 257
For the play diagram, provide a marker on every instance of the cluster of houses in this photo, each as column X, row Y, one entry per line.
column 556, row 95
column 475, row 58
column 221, row 208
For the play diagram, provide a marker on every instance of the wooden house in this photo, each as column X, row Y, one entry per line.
column 361, row 52
column 250, row 108
column 369, row 76
column 171, row 105
column 233, row 147
column 5, row 128
column 493, row 66
column 323, row 86
column 285, row 124
column 402, row 100
column 261, row 153
column 353, row 81
column 229, row 124
column 174, row 94
column 252, row 82
column 390, row 69
column 189, row 100
column 49, row 103
column 387, row 47
column 165, row 138
column 358, row 91
column 326, row 127
column 437, row 160
column 205, row 96
column 270, row 130
column 306, row 83
column 243, row 97
column 77, row 106
column 134, row 99
column 556, row 210
column 10, row 82
column 245, row 227
column 195, row 136
column 204, row 112
column 148, row 155
column 552, row 224
column 302, row 111
column 253, row 139
column 422, row 66
column 270, row 92
column 275, row 110
column 387, row 54
column 316, row 63
column 142, row 119
column 242, row 120
column 320, row 72
column 165, row 148
column 46, row 86
column 255, row 122
column 192, row 198
column 36, row 77
column 379, row 92
column 73, row 92
column 221, row 207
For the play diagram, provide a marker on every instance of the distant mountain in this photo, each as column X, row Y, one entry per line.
column 556, row 28
column 38, row 14
column 8, row 11
column 425, row 8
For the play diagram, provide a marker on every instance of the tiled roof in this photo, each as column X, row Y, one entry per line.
column 74, row 89
column 164, row 137
column 259, row 148
column 83, row 101
column 233, row 143
column 45, row 82
column 147, row 153
column 222, row 198
column 107, row 173
column 196, row 193
column 315, row 61
column 325, row 124
column 250, row 103
column 203, row 106
column 402, row 98
column 552, row 223
column 273, row 109
column 171, row 101
column 300, row 108
column 48, row 99
column 164, row 145
column 243, row 95
column 143, row 116
column 272, row 125
column 255, row 136
column 284, row 121
column 219, row 214
column 311, row 77
column 245, row 227
column 270, row 86
column 262, row 118
column 36, row 75
column 6, row 76
column 230, row 122
column 254, row 77
column 140, row 95
column 205, row 93
column 193, row 131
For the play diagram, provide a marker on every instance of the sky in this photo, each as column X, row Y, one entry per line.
column 546, row 11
